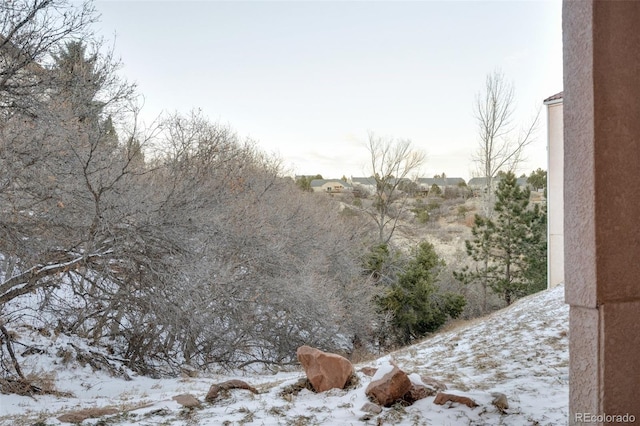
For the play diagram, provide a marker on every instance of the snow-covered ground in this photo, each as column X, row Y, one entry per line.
column 521, row 351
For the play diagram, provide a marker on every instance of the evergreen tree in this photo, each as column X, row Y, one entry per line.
column 511, row 249
column 78, row 79
column 479, row 249
column 376, row 260
column 304, row 182
column 510, row 233
column 417, row 304
column 538, row 179
column 435, row 190
column 536, row 250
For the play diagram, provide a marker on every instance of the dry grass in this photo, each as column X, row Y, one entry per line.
column 485, row 361
column 37, row 383
column 459, row 323
column 289, row 391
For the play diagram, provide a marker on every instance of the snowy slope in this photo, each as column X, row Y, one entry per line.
column 521, row 351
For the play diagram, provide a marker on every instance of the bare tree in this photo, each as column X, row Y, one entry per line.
column 208, row 256
column 500, row 147
column 197, row 252
column 266, row 251
column 392, row 161
column 30, row 30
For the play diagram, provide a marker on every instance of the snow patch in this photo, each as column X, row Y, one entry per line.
column 521, row 351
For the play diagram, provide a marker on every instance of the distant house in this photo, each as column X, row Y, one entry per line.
column 399, row 182
column 478, row 184
column 330, row 185
column 404, row 185
column 364, row 184
column 425, row 184
column 522, row 182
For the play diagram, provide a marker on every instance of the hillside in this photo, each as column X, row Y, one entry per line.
column 521, row 351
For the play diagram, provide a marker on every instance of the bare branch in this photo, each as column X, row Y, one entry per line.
column 31, row 279
column 497, row 147
column 392, row 161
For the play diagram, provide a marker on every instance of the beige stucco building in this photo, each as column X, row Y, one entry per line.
column 555, row 190
column 601, row 102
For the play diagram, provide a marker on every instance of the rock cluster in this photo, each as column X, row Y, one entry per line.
column 389, row 386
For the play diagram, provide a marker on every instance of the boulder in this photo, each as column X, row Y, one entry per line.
column 215, row 389
column 368, row 371
column 442, row 398
column 417, row 392
column 500, row 401
column 88, row 413
column 324, row 370
column 418, row 389
column 372, row 408
column 187, row 400
column 388, row 389
column 436, row 384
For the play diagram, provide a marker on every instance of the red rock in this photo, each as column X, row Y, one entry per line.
column 187, row 400
column 215, row 389
column 369, row 407
column 442, row 398
column 390, row 388
column 436, row 384
column 417, row 392
column 368, row 371
column 324, row 370
column 88, row 413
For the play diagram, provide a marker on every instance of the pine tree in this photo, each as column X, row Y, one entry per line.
column 538, row 179
column 479, row 249
column 417, row 304
column 79, row 84
column 511, row 249
column 78, row 79
column 536, row 250
column 511, row 230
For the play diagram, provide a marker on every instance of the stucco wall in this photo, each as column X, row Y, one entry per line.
column 555, row 193
column 601, row 44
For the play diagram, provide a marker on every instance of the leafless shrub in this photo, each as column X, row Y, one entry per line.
column 179, row 244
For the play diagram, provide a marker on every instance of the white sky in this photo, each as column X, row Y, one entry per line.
column 308, row 79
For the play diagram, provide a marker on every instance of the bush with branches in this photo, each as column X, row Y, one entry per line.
column 177, row 244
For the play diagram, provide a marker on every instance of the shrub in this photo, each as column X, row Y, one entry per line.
column 415, row 301
column 422, row 216
column 463, row 210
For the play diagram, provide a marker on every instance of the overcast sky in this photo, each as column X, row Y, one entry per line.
column 308, row 80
